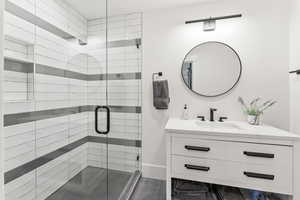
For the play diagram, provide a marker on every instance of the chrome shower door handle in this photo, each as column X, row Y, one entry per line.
column 107, row 120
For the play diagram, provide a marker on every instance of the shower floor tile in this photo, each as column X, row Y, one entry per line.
column 91, row 184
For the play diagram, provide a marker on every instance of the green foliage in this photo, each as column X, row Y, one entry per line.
column 254, row 108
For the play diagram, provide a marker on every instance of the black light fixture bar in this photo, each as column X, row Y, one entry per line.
column 214, row 18
column 295, row 72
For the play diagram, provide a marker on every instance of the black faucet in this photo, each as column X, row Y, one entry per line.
column 212, row 111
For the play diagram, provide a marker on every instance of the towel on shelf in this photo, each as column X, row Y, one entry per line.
column 161, row 97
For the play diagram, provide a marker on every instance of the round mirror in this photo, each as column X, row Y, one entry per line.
column 211, row 69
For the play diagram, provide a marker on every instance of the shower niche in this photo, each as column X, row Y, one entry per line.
column 18, row 81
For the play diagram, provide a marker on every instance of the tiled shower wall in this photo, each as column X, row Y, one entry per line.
column 26, row 142
column 57, row 90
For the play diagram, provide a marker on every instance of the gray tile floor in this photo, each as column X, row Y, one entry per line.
column 91, row 184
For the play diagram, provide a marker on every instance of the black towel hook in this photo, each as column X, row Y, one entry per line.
column 156, row 74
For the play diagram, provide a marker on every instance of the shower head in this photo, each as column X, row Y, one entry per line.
column 82, row 43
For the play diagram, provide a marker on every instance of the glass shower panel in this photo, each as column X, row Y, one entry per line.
column 124, row 61
column 53, row 83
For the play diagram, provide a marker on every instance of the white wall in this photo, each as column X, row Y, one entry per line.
column 294, row 65
column 260, row 38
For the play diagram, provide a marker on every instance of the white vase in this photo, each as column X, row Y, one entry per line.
column 253, row 119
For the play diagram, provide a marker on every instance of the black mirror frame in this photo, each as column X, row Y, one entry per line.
column 235, row 84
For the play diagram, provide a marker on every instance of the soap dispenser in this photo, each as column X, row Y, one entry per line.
column 185, row 113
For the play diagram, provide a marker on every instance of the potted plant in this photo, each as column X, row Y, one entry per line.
column 254, row 110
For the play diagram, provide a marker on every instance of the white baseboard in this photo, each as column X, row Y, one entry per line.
column 154, row 171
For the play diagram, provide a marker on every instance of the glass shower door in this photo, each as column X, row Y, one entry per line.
column 124, row 67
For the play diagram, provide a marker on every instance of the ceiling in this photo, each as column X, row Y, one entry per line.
column 92, row 9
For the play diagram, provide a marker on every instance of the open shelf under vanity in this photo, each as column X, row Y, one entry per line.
column 191, row 190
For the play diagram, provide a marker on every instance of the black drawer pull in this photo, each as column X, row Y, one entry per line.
column 261, row 176
column 194, row 148
column 261, row 155
column 195, row 167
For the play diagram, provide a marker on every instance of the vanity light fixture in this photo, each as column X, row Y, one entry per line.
column 209, row 24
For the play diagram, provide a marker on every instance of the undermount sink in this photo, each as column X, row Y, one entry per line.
column 217, row 125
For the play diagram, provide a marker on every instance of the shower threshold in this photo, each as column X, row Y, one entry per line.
column 94, row 183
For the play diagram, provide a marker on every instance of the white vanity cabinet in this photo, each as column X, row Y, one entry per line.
column 260, row 158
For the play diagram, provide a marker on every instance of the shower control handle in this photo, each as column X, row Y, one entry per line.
column 107, row 120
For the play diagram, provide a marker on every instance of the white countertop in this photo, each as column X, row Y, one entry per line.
column 244, row 129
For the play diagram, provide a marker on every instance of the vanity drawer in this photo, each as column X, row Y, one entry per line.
column 196, row 169
column 277, row 179
column 264, row 177
column 198, row 148
column 233, row 151
column 261, row 154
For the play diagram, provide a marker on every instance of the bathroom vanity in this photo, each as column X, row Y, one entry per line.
column 235, row 154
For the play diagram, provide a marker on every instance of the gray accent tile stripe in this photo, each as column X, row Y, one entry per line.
column 116, row 141
column 36, row 163
column 118, row 76
column 119, row 109
column 121, row 43
column 126, row 109
column 17, row 66
column 124, row 43
column 52, row 71
column 20, row 118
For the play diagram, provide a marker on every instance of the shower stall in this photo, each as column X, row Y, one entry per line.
column 72, row 101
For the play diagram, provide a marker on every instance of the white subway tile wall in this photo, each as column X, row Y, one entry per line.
column 18, row 28
column 15, row 86
column 22, row 188
column 19, row 145
column 61, row 15
column 28, row 141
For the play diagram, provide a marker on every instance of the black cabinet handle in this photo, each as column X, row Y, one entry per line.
column 107, row 119
column 260, row 176
column 261, row 155
column 194, row 148
column 195, row 167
